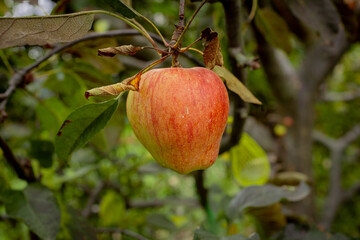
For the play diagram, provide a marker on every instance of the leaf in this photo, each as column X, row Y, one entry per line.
column 115, row 89
column 122, row 50
column 157, row 220
column 262, row 196
column 274, row 29
column 301, row 191
column 44, row 30
column 212, row 53
column 37, row 207
column 235, row 85
column 122, row 8
column 77, row 227
column 320, row 15
column 81, row 125
column 201, row 234
column 42, row 150
column 250, row 165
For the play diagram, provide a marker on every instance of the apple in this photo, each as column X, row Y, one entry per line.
column 179, row 115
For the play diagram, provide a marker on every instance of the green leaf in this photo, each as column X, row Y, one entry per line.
column 50, row 112
column 75, row 226
column 160, row 221
column 319, row 15
column 201, row 234
column 37, row 207
column 81, row 125
column 122, row 8
column 274, row 28
column 42, row 150
column 265, row 195
column 44, row 29
column 250, row 165
column 235, row 85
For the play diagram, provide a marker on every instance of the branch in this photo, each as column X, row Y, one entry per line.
column 239, row 109
column 341, row 96
column 163, row 202
column 19, row 77
column 350, row 136
column 336, row 195
column 23, row 171
column 321, row 59
column 324, row 139
column 93, row 196
column 122, row 231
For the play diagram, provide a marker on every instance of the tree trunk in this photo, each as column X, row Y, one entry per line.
column 298, row 145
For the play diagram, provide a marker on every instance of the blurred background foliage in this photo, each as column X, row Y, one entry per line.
column 112, row 185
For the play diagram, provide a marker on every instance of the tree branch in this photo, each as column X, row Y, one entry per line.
column 321, row 59
column 340, row 96
column 337, row 195
column 23, row 171
column 93, row 197
column 283, row 79
column 19, row 77
column 122, row 231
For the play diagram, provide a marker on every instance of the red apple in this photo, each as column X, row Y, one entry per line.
column 179, row 115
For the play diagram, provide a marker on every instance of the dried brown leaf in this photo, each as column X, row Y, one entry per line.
column 235, row 85
column 122, row 50
column 212, row 53
column 113, row 89
column 44, row 30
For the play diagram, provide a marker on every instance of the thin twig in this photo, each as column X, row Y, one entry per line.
column 122, row 231
column 93, row 197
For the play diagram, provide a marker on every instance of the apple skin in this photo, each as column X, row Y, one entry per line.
column 179, row 115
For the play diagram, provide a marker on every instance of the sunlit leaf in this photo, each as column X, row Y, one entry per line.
column 81, row 125
column 44, row 30
column 37, row 207
column 235, row 85
column 319, row 15
column 274, row 28
column 250, row 165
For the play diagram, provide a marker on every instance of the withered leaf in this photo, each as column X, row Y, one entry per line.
column 212, row 53
column 131, row 83
column 122, row 50
column 41, row 30
column 235, row 85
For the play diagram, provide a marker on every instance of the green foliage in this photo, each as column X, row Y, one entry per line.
column 136, row 194
column 81, row 125
column 265, row 195
column 37, row 207
column 250, row 164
